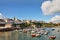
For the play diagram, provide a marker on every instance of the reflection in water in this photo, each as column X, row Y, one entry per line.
column 51, row 39
column 5, row 35
column 16, row 35
column 9, row 35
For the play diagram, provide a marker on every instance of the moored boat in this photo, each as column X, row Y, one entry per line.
column 58, row 30
column 32, row 31
column 53, row 29
column 33, row 35
column 24, row 30
column 53, row 37
column 37, row 35
column 21, row 30
column 46, row 32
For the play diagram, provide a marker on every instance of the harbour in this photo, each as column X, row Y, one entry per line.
column 17, row 35
column 29, row 19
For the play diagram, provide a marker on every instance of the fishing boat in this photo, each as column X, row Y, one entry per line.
column 24, row 30
column 42, row 32
column 52, row 37
column 58, row 30
column 33, row 35
column 32, row 31
column 53, row 29
column 37, row 35
column 39, row 32
column 46, row 32
column 21, row 30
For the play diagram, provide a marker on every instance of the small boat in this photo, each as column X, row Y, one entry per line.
column 46, row 33
column 39, row 32
column 21, row 30
column 33, row 35
column 25, row 31
column 53, row 29
column 42, row 32
column 57, row 30
column 37, row 35
column 52, row 37
column 32, row 31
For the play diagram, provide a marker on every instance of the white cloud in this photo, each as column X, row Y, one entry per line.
column 50, row 7
column 1, row 16
column 55, row 19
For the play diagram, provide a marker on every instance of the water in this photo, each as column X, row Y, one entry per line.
column 16, row 35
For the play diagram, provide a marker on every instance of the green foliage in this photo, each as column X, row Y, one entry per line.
column 38, row 24
column 23, row 25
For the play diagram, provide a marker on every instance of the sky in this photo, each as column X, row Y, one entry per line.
column 30, row 9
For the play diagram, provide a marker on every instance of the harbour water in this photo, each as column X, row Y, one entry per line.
column 17, row 35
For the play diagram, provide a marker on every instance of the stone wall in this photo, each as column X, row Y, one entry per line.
column 8, row 25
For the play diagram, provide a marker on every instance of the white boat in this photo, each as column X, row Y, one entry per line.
column 46, row 33
column 37, row 35
column 42, row 32
column 58, row 30
column 32, row 31
column 39, row 32
column 21, row 30
column 24, row 30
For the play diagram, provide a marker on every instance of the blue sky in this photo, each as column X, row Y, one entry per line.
column 23, row 9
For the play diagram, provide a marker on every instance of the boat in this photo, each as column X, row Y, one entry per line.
column 52, row 37
column 32, row 31
column 46, row 32
column 37, row 35
column 58, row 30
column 39, row 32
column 24, row 30
column 21, row 30
column 42, row 32
column 33, row 35
column 53, row 29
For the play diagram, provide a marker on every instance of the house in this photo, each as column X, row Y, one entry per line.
column 9, row 23
column 2, row 23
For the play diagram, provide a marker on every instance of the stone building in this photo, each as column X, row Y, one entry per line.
column 2, row 23
column 9, row 23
